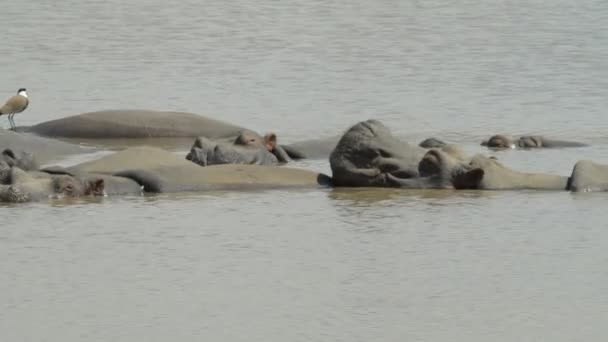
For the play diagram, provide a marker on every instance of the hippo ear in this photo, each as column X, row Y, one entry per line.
column 96, row 187
column 270, row 141
column 468, row 180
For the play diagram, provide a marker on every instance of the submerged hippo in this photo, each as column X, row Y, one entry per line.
column 502, row 141
column 247, row 148
column 22, row 186
column 431, row 143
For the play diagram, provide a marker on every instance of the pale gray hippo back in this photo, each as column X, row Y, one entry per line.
column 499, row 177
column 115, row 124
column 157, row 170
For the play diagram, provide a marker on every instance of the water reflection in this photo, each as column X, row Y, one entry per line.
column 364, row 196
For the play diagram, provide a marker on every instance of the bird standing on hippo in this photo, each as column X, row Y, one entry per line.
column 15, row 105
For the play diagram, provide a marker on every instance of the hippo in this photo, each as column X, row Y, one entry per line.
column 494, row 175
column 431, row 143
column 247, row 148
column 121, row 127
column 369, row 155
column 156, row 170
column 22, row 186
column 116, row 124
column 501, row 141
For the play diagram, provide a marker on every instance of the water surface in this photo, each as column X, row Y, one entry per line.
column 315, row 265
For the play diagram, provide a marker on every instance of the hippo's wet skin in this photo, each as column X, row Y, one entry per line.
column 157, row 170
column 112, row 124
column 493, row 174
column 501, row 142
column 247, row 148
column 369, row 155
column 23, row 186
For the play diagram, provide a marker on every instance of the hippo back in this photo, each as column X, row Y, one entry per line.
column 135, row 124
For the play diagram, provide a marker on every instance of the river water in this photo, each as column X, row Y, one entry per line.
column 316, row 265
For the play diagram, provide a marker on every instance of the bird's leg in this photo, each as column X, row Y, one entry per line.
column 11, row 121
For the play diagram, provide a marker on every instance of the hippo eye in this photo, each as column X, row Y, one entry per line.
column 69, row 188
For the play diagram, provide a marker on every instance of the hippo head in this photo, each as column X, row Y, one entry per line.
column 247, row 148
column 499, row 141
column 268, row 142
column 249, row 138
column 30, row 186
column 444, row 169
column 68, row 186
column 201, row 148
column 369, row 155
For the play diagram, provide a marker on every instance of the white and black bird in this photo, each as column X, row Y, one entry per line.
column 14, row 105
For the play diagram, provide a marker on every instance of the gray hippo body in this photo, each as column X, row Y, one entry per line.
column 502, row 141
column 116, row 124
column 157, row 170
